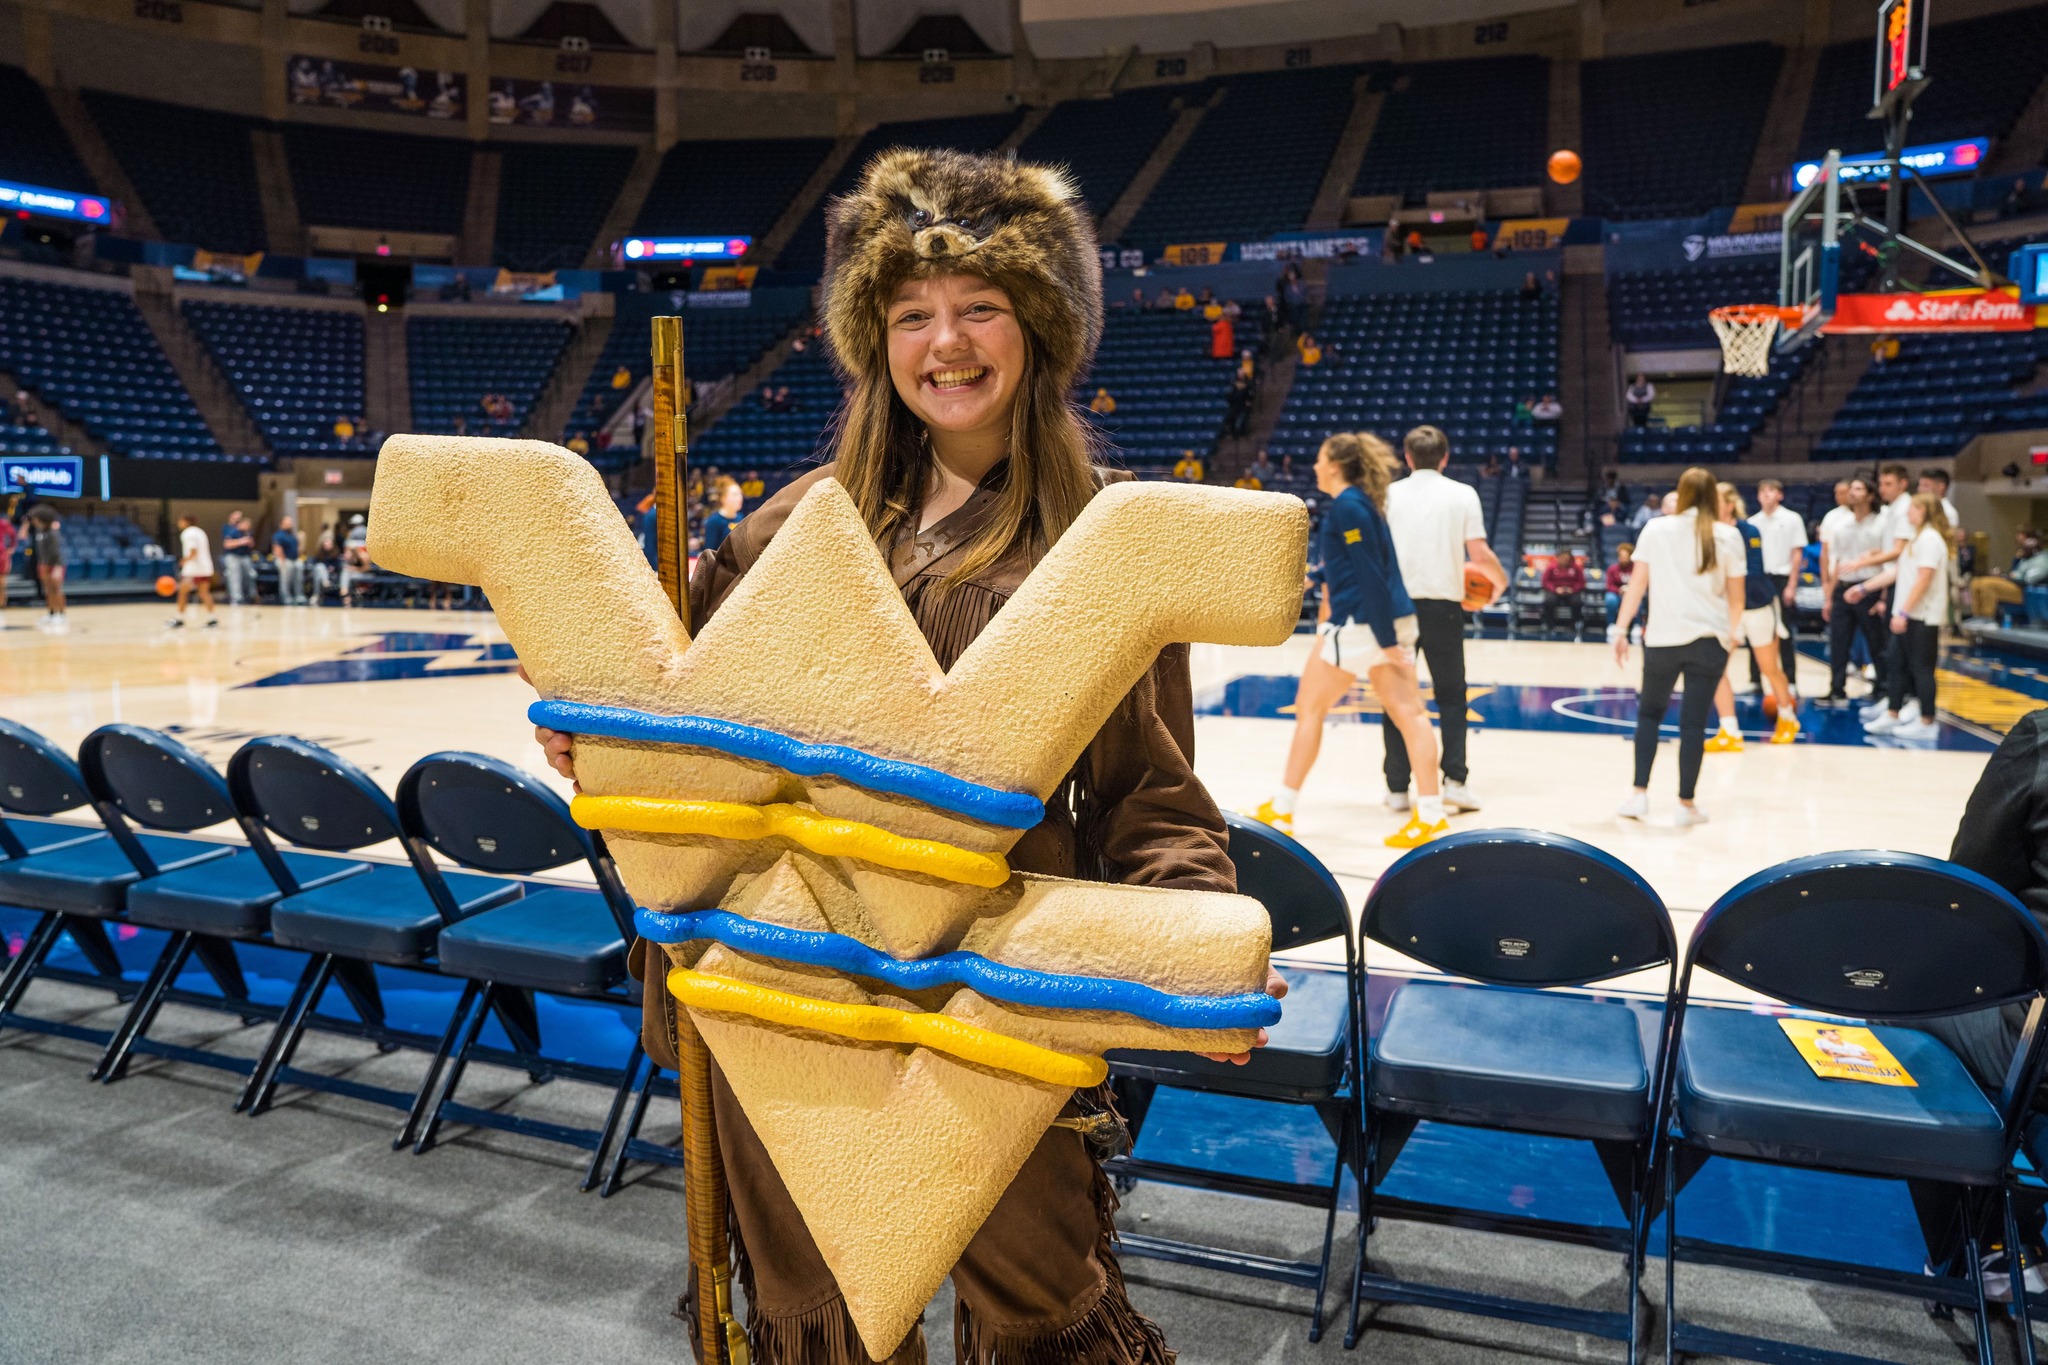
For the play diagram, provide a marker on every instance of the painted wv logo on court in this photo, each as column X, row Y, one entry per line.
column 398, row 655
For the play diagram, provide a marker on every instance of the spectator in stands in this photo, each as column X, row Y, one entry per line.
column 1413, row 242
column 1232, row 309
column 1262, row 467
column 1237, row 412
column 46, row 548
column 1492, row 468
column 1988, row 591
column 1690, row 567
column 326, row 565
column 1286, row 467
column 622, row 378
column 1516, row 469
column 1919, row 610
column 1188, row 468
column 1222, row 337
column 1390, row 242
column 1530, row 290
column 344, row 429
column 355, row 558
column 1646, row 513
column 1274, row 315
column 284, row 553
column 642, row 415
column 1163, row 301
column 1309, row 350
column 579, row 445
column 2018, row 200
column 1612, row 510
column 1639, row 396
column 1846, row 541
column 1547, row 408
column 1525, row 411
column 726, row 493
column 1479, row 241
column 461, row 425
column 1248, row 366
column 1564, row 578
column 1102, row 405
column 1183, row 300
column 765, row 395
column 1206, row 300
column 751, row 486
column 238, row 558
column 1247, row 480
column 1883, row 350
column 1138, row 300
column 1617, row 581
column 195, row 570
column 1294, row 292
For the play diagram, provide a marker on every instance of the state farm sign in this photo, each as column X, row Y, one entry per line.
column 1973, row 310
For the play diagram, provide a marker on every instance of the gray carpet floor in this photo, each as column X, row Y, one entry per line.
column 146, row 1222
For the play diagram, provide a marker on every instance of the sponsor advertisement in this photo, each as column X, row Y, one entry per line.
column 1311, row 248
column 48, row 203
column 1964, row 310
column 1932, row 160
column 48, row 476
column 382, row 89
column 1724, row 245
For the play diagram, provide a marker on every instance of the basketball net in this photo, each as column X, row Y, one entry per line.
column 1746, row 331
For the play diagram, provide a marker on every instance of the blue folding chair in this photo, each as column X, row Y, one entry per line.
column 486, row 814
column 1520, row 912
column 1895, row 936
column 78, row 879
column 153, row 780
column 1311, row 1058
column 385, row 916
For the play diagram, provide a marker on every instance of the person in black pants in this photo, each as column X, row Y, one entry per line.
column 1845, row 541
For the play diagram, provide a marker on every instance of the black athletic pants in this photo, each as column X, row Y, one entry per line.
column 1985, row 1041
column 1846, row 620
column 1441, row 625
column 1564, row 604
column 1918, row 649
column 1701, row 664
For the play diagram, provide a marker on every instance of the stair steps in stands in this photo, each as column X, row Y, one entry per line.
column 480, row 210
column 387, row 372
column 2026, row 146
column 67, row 432
column 1565, row 127
column 100, row 160
column 281, row 225
column 1788, row 435
column 1026, row 126
column 1586, row 368
column 1783, row 120
column 211, row 392
column 1154, row 170
column 1327, row 212
column 777, row 237
column 557, row 400
column 626, row 208
column 714, row 403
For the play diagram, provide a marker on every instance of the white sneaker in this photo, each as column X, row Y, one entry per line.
column 1636, row 807
column 1910, row 712
column 1397, row 800
column 1924, row 730
column 1458, row 798
column 1688, row 816
column 1884, row 725
column 1871, row 712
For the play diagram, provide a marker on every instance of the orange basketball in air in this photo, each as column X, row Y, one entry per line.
column 166, row 586
column 1564, row 167
column 1478, row 588
column 1771, row 707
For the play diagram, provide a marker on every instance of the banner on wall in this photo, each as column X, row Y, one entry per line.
column 1530, row 234
column 1195, row 253
column 720, row 278
column 380, row 89
column 546, row 104
column 522, row 282
column 1962, row 310
column 1749, row 218
column 224, row 265
column 1307, row 248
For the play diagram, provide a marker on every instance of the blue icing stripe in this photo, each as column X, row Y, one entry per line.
column 1012, row 810
column 1014, row 985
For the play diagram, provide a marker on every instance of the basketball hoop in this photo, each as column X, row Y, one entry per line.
column 1746, row 331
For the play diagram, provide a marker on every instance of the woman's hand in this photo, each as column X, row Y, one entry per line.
column 1401, row 657
column 1898, row 625
column 1855, row 594
column 560, row 748
column 1276, row 986
column 1621, row 647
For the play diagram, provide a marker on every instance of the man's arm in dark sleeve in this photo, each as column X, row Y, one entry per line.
column 2004, row 830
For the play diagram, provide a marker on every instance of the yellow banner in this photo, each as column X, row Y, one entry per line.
column 226, row 265
column 1837, row 1052
column 1530, row 234
column 522, row 282
column 1196, row 253
column 720, row 278
column 1758, row 217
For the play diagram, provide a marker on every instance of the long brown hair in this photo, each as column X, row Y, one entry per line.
column 1934, row 517
column 1697, row 489
column 884, row 461
column 1366, row 462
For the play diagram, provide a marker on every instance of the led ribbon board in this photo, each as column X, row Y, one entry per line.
column 683, row 250
column 45, row 202
column 1932, row 160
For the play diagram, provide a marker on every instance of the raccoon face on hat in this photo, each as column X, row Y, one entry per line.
column 919, row 213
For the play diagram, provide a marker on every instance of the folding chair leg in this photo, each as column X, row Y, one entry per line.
column 91, row 937
column 1315, row 1317
column 456, row 1065
column 611, row 1118
column 1670, row 1253
column 428, row 1082
column 113, row 1063
column 29, row 961
column 284, row 1039
column 1975, row 1260
column 644, row 1092
column 2021, row 1322
column 1368, row 1185
column 1638, row 1202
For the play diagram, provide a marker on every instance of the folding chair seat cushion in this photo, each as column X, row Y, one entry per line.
column 1527, row 1060
column 93, row 878
column 560, row 939
column 1303, row 1059
column 1744, row 1090
column 231, row 897
column 385, row 915
column 46, row 836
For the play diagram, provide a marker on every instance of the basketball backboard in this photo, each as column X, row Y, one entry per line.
column 1810, row 253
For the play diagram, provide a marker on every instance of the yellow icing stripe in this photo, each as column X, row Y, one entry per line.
column 824, row 834
column 875, row 1024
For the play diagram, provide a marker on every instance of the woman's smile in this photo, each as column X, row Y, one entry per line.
column 956, row 378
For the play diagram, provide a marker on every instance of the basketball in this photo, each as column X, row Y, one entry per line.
column 166, row 586
column 1771, row 707
column 1478, row 588
column 1564, row 167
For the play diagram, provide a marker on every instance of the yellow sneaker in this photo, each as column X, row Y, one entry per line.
column 1415, row 834
column 1787, row 729
column 1721, row 742
column 1266, row 815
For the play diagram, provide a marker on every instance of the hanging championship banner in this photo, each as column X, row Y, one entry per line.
column 545, row 104
column 1195, row 253
column 1962, row 310
column 380, row 89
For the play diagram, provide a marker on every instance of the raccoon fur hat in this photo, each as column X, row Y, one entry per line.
column 918, row 213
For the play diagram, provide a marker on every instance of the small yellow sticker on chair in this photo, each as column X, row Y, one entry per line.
column 1837, row 1052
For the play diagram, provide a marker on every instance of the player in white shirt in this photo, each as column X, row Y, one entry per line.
column 1438, row 528
column 1894, row 532
column 195, row 570
column 1919, row 580
column 1935, row 481
column 1690, row 565
column 1848, row 534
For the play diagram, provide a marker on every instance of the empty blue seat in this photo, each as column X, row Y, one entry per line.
column 560, row 939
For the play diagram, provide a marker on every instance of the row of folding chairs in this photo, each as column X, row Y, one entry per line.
column 1517, row 1036
column 303, row 810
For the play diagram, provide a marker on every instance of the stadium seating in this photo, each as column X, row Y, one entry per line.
column 552, row 199
column 1668, row 308
column 99, row 548
column 456, row 362
column 1984, row 71
column 1460, row 361
column 1939, row 393
column 1746, row 404
column 35, row 148
column 1464, row 125
column 717, row 189
column 297, row 370
column 1671, row 134
column 1104, row 141
column 1170, row 395
column 751, row 437
column 1254, row 163
column 194, row 169
column 344, row 177
column 805, row 252
column 89, row 353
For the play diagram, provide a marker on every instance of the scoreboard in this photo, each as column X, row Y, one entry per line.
column 1901, row 50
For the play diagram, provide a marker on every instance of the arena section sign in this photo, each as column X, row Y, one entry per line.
column 45, row 476
column 1196, row 253
column 44, row 202
column 1965, row 310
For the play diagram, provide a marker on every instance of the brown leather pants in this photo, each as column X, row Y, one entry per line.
column 1039, row 1283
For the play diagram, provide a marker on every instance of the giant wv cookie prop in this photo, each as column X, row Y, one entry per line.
column 816, row 818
